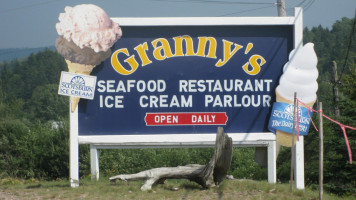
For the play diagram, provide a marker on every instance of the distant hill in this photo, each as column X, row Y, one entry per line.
column 10, row 54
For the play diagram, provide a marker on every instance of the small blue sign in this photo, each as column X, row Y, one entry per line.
column 282, row 118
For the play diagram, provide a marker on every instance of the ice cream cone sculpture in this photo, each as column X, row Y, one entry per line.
column 299, row 76
column 86, row 36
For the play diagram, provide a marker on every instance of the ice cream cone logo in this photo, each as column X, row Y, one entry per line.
column 77, row 81
column 289, row 110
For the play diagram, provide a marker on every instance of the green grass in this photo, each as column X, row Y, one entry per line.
column 172, row 189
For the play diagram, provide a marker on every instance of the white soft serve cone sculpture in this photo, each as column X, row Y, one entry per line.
column 299, row 75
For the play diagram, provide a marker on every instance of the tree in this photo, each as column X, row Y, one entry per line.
column 46, row 104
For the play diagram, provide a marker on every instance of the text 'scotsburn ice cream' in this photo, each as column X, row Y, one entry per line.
column 86, row 37
column 299, row 75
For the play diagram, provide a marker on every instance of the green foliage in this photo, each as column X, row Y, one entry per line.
column 45, row 103
column 244, row 166
column 28, row 151
column 15, row 158
column 28, row 88
column 348, row 100
column 51, row 150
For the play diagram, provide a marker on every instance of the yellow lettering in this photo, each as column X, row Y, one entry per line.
column 206, row 47
column 179, row 45
column 256, row 61
column 130, row 60
column 248, row 48
column 202, row 45
column 161, row 52
column 227, row 52
column 141, row 50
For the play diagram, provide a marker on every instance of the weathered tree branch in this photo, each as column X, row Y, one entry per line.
column 207, row 176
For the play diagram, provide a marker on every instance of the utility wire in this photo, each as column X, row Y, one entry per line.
column 243, row 11
column 301, row 3
column 225, row 2
column 217, row 2
column 305, row 7
column 310, row 3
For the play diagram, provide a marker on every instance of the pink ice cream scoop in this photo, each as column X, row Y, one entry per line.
column 88, row 25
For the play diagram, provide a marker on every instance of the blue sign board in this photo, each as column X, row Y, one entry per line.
column 187, row 80
column 282, row 118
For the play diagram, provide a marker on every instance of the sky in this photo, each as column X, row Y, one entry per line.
column 31, row 23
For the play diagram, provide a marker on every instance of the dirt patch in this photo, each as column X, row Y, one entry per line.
column 8, row 196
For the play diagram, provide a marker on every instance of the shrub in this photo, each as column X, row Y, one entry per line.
column 16, row 156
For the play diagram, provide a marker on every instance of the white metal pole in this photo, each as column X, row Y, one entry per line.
column 299, row 147
column 73, row 149
column 94, row 162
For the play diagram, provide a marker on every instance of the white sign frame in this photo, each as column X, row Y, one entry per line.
column 267, row 139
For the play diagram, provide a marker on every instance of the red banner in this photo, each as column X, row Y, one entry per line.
column 172, row 119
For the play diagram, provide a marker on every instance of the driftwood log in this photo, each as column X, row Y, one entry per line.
column 207, row 176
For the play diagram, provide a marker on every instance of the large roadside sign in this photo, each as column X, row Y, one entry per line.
column 170, row 82
column 188, row 79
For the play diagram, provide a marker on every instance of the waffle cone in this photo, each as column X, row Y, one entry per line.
column 78, row 69
column 284, row 138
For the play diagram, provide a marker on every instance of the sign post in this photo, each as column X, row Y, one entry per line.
column 73, row 149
